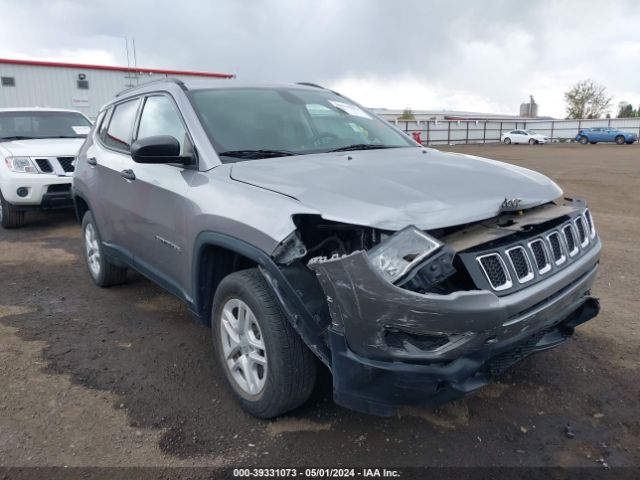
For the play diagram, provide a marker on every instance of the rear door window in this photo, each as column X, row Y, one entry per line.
column 118, row 134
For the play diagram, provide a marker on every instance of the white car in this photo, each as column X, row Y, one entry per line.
column 523, row 136
column 38, row 148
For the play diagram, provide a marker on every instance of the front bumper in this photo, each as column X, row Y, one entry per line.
column 379, row 387
column 374, row 377
column 38, row 186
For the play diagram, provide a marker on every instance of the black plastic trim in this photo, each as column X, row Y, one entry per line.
column 295, row 310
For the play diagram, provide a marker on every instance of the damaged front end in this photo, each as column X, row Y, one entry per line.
column 417, row 317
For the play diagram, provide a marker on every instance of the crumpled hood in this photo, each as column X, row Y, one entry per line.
column 43, row 147
column 390, row 189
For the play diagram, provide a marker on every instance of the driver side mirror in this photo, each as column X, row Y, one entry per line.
column 159, row 149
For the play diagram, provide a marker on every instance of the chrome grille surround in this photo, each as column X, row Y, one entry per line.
column 570, row 238
column 558, row 260
column 592, row 226
column 583, row 233
column 508, row 267
column 497, row 287
column 534, row 245
column 512, row 251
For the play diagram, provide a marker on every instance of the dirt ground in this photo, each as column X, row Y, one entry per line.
column 125, row 376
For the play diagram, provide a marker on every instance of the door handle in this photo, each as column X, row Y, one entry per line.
column 128, row 175
column 92, row 161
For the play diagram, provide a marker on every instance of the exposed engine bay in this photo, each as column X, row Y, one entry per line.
column 317, row 240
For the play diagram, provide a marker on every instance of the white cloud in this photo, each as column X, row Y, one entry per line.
column 467, row 55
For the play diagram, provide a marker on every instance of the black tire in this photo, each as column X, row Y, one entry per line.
column 583, row 140
column 10, row 217
column 107, row 274
column 532, row 141
column 291, row 369
column 620, row 140
column 507, row 141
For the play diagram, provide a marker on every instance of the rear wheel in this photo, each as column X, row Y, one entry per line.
column 10, row 216
column 102, row 271
column 267, row 365
column 620, row 139
column 507, row 141
column 583, row 140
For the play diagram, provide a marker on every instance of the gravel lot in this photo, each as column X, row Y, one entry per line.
column 125, row 376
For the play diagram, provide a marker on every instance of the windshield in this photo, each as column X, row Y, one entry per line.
column 531, row 132
column 29, row 124
column 250, row 123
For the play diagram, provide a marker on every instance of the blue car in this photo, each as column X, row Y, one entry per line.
column 605, row 134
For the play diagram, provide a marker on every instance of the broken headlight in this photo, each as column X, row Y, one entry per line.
column 399, row 254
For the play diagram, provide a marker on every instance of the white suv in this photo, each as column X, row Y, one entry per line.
column 38, row 148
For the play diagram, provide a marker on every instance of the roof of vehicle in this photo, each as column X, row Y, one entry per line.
column 174, row 84
column 38, row 109
column 205, row 85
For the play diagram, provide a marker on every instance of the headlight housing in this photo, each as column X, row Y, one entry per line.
column 20, row 165
column 395, row 257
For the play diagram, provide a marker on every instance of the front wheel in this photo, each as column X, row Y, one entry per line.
column 507, row 141
column 10, row 216
column 532, row 141
column 267, row 365
column 620, row 140
column 583, row 140
column 102, row 271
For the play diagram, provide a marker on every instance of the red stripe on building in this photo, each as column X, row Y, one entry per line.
column 38, row 63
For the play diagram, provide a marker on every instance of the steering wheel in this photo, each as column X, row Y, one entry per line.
column 315, row 140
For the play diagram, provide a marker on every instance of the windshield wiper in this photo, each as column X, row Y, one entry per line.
column 15, row 137
column 256, row 154
column 361, row 146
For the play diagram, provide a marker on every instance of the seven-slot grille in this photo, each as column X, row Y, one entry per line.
column 582, row 231
column 496, row 271
column 539, row 256
column 570, row 238
column 592, row 227
column 556, row 248
column 520, row 263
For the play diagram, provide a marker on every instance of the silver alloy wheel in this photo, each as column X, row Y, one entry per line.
column 243, row 346
column 92, row 249
column 0, row 211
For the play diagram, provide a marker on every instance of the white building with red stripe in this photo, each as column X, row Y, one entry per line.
column 28, row 83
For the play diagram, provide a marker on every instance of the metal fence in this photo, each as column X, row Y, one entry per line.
column 433, row 132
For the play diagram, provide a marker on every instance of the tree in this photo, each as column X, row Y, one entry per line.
column 587, row 99
column 407, row 114
column 625, row 110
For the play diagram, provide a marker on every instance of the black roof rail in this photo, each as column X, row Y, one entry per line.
column 177, row 81
column 309, row 84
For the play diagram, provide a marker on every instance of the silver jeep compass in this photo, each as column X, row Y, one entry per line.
column 306, row 231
